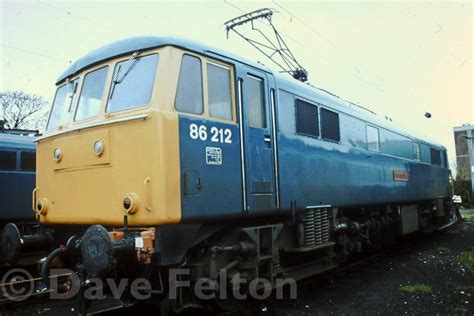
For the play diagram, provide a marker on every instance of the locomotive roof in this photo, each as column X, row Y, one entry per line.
column 17, row 141
column 332, row 101
column 133, row 44
column 139, row 43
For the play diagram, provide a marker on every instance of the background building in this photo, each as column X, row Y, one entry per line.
column 464, row 142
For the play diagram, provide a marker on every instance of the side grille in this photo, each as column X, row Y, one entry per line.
column 316, row 227
column 262, row 195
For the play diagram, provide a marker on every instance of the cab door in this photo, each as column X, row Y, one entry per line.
column 257, row 147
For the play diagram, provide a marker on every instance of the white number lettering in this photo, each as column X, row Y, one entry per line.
column 218, row 135
column 193, row 131
column 214, row 133
column 203, row 132
column 228, row 136
column 221, row 135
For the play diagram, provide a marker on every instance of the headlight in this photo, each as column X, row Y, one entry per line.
column 98, row 147
column 57, row 154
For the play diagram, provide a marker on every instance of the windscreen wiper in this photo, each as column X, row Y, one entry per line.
column 117, row 78
column 71, row 90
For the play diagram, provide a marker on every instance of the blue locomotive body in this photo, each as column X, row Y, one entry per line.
column 17, row 177
column 342, row 170
column 310, row 148
column 22, row 241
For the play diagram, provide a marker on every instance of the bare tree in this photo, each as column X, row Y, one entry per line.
column 20, row 110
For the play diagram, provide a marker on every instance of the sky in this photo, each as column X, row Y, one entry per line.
column 400, row 59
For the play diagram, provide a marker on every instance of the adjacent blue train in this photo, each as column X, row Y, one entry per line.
column 17, row 177
column 21, row 240
column 219, row 165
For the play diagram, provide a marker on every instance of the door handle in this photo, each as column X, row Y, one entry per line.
column 267, row 139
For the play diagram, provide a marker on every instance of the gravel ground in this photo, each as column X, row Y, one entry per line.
column 375, row 287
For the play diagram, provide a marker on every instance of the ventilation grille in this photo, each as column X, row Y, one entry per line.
column 316, row 227
column 262, row 195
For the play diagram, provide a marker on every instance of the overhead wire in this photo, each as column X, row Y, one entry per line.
column 234, row 6
column 331, row 43
column 34, row 53
column 305, row 24
column 69, row 13
column 75, row 15
column 358, row 76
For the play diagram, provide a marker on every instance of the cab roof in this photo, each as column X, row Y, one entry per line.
column 140, row 43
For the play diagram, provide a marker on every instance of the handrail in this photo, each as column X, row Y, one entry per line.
column 145, row 183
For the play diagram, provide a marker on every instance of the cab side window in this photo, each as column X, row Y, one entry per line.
column 189, row 97
column 256, row 106
column 219, row 91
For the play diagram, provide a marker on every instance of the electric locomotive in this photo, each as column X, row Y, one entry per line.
column 161, row 152
column 22, row 240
